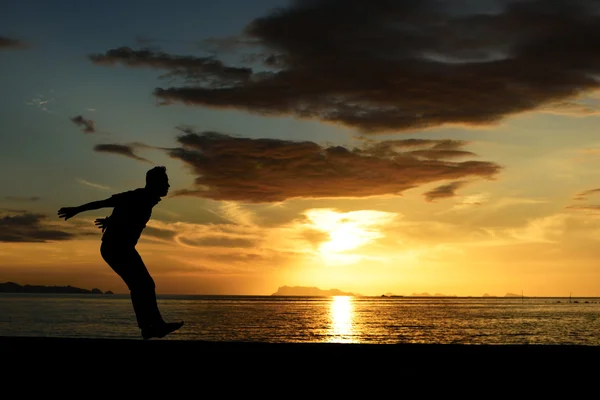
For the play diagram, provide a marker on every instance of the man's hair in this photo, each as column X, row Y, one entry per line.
column 154, row 173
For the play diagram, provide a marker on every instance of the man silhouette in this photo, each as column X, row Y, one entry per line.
column 121, row 232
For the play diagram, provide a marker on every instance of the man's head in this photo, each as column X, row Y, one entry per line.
column 157, row 181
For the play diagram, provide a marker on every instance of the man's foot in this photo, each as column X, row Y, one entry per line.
column 161, row 330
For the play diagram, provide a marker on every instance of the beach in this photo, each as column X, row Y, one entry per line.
column 408, row 353
column 300, row 370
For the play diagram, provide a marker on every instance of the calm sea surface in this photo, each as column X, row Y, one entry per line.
column 313, row 319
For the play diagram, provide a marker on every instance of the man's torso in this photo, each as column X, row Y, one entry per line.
column 131, row 213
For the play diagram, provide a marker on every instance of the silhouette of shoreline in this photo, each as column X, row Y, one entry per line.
column 12, row 287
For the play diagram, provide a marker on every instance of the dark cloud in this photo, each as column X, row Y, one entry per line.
column 86, row 124
column 22, row 198
column 205, row 70
column 395, row 65
column 423, row 148
column 29, row 227
column 271, row 170
column 584, row 195
column 120, row 149
column 9, row 43
column 444, row 191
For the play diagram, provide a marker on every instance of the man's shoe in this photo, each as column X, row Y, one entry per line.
column 161, row 330
column 150, row 332
column 170, row 327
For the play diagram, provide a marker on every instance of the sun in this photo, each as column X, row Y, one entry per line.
column 346, row 231
column 342, row 238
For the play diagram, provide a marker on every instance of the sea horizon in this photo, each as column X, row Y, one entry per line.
column 198, row 295
column 44, row 289
column 313, row 319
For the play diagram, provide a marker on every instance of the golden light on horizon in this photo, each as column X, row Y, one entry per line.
column 342, row 314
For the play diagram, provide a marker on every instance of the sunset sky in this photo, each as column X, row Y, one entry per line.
column 406, row 147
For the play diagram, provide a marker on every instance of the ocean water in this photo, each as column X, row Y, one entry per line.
column 313, row 319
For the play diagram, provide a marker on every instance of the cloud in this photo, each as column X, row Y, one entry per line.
column 474, row 200
column 220, row 235
column 94, row 185
column 29, row 227
column 121, row 149
column 160, row 233
column 87, row 124
column 394, row 66
column 571, row 108
column 547, row 229
column 200, row 69
column 486, row 201
column 234, row 213
column 219, row 242
column 22, row 198
column 584, row 195
column 327, row 234
column 589, row 207
column 13, row 210
column 515, row 201
column 9, row 43
column 271, row 170
column 444, row 191
column 425, row 148
column 441, row 154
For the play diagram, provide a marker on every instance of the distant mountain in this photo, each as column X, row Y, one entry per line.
column 309, row 291
column 11, row 287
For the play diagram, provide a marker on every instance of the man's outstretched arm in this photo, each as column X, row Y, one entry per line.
column 69, row 212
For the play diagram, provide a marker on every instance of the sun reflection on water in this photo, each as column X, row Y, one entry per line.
column 341, row 313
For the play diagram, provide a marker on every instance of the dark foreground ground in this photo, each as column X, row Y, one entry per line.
column 294, row 370
column 409, row 352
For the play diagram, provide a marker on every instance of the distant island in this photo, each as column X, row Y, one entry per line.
column 12, row 287
column 315, row 291
column 309, row 291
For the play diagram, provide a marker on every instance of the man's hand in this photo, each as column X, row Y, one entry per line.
column 68, row 212
column 102, row 223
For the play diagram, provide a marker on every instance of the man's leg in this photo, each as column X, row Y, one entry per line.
column 143, row 292
column 128, row 264
column 145, row 307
